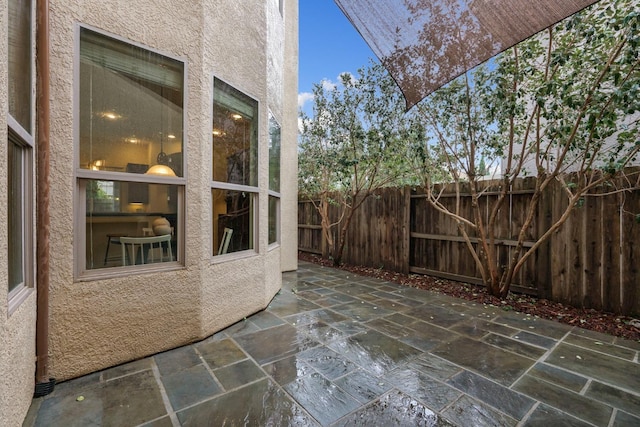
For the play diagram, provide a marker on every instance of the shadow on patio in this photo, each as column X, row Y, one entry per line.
column 338, row 349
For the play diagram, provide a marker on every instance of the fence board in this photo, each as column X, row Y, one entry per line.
column 611, row 245
column 592, row 252
column 630, row 271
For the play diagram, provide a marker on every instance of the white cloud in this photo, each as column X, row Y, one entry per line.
column 328, row 85
column 303, row 98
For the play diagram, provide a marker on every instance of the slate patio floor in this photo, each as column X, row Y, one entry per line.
column 337, row 349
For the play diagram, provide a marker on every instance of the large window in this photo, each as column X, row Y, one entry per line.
column 19, row 213
column 234, row 185
column 20, row 62
column 130, row 155
column 20, row 150
column 274, row 180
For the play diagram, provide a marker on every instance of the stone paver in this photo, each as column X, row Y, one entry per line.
column 337, row 349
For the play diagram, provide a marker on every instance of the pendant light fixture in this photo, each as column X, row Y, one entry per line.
column 161, row 168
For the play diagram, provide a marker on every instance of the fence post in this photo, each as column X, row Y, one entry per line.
column 406, row 230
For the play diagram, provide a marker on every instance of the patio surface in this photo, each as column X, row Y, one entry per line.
column 337, row 349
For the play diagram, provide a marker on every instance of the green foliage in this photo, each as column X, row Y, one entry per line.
column 562, row 106
column 354, row 138
column 354, row 143
column 564, row 100
column 95, row 192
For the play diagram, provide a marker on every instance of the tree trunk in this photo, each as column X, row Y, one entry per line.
column 342, row 238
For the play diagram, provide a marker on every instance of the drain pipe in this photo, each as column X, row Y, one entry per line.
column 44, row 384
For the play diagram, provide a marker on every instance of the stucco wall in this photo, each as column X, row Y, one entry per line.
column 100, row 323
column 289, row 208
column 17, row 357
column 17, row 330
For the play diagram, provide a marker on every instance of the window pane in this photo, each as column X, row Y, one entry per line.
column 274, row 155
column 16, row 215
column 232, row 211
column 274, row 206
column 20, row 62
column 114, row 210
column 131, row 107
column 235, row 136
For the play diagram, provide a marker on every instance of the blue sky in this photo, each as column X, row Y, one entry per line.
column 329, row 46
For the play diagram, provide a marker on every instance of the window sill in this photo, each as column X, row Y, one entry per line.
column 119, row 272
column 218, row 259
column 17, row 297
column 273, row 246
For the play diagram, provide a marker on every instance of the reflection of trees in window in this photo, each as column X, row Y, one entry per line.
column 274, row 179
column 234, row 167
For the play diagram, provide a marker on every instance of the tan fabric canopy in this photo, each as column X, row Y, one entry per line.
column 426, row 43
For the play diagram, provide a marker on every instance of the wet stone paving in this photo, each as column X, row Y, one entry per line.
column 337, row 349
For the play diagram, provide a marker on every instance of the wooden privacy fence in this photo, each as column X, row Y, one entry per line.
column 593, row 261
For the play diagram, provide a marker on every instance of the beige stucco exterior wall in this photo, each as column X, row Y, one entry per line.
column 289, row 172
column 100, row 323
column 17, row 329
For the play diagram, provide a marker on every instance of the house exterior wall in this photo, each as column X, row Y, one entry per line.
column 17, row 334
column 289, row 170
column 99, row 323
column 17, row 328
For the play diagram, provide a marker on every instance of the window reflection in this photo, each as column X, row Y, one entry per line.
column 19, row 62
column 235, row 148
column 16, row 213
column 113, row 211
column 234, row 165
column 130, row 123
column 274, row 213
column 275, row 135
column 232, row 210
column 131, row 106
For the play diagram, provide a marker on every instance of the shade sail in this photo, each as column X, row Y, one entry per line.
column 427, row 43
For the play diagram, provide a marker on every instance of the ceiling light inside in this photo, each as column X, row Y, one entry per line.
column 110, row 115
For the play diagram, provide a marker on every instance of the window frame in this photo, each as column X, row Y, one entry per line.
column 221, row 185
column 81, row 175
column 24, row 140
column 276, row 194
column 18, row 136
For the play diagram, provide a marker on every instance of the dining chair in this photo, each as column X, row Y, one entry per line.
column 142, row 248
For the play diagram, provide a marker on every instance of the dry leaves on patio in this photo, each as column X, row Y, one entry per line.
column 608, row 323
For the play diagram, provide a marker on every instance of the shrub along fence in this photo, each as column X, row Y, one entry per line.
column 593, row 261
